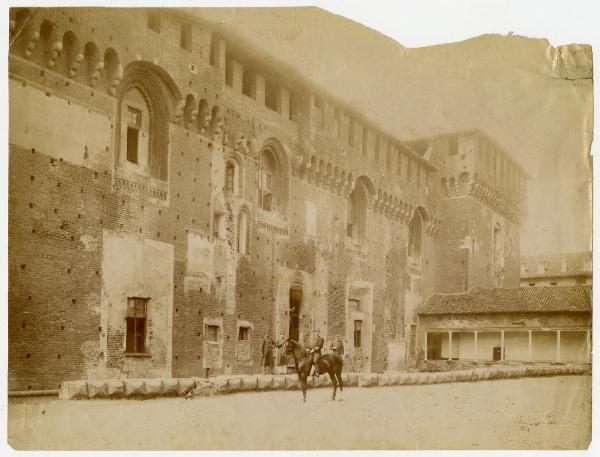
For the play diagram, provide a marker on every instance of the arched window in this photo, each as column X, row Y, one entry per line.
column 356, row 213
column 243, row 240
column 145, row 99
column 273, row 181
column 135, row 130
column 415, row 234
column 231, row 184
column 268, row 175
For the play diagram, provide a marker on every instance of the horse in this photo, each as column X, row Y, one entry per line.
column 303, row 361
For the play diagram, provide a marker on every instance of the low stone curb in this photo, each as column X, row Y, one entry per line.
column 148, row 388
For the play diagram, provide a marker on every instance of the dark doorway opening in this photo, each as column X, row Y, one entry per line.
column 295, row 305
column 434, row 346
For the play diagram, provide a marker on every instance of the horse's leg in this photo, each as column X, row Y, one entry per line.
column 333, row 380
column 338, row 374
column 304, row 386
column 300, row 379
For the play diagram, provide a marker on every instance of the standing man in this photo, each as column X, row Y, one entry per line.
column 316, row 352
column 267, row 353
column 280, row 352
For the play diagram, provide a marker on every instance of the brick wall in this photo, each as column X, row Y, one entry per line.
column 69, row 190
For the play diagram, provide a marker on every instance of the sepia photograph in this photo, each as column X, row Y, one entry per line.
column 286, row 228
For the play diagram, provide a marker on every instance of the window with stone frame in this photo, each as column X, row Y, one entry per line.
column 243, row 333
column 137, row 314
column 211, row 332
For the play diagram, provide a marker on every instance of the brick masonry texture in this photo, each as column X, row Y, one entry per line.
column 73, row 194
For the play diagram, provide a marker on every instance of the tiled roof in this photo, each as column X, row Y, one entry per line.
column 519, row 300
column 556, row 265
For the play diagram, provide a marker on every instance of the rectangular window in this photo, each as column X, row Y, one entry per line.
column 211, row 332
column 229, row 72
column 154, row 22
column 134, row 124
column 248, row 83
column 271, row 95
column 185, row 40
column 357, row 334
column 135, row 341
column 244, row 333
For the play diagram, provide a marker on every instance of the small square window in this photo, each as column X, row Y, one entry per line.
column 244, row 333
column 211, row 332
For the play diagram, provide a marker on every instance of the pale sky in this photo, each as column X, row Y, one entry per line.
column 501, row 84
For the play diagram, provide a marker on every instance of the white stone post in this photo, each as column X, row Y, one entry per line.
column 589, row 346
column 425, row 345
column 502, row 345
column 558, row 345
column 475, row 346
column 449, row 345
column 530, row 345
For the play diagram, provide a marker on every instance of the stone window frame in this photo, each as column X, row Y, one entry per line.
column 161, row 95
column 280, row 184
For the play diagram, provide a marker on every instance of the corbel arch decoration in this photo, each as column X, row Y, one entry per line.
column 155, row 89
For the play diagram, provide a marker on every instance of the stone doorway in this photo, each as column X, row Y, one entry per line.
column 294, row 313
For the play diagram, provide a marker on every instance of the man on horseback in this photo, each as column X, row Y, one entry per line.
column 315, row 351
